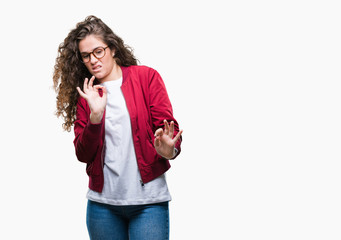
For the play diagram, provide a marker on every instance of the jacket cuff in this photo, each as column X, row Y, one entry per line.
column 93, row 130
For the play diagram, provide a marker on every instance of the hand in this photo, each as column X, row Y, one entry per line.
column 96, row 102
column 164, row 142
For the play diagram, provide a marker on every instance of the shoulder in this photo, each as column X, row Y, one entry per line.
column 141, row 70
column 140, row 73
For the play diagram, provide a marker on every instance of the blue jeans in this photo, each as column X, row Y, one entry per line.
column 135, row 222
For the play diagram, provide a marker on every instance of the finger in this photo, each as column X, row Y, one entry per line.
column 158, row 132
column 157, row 142
column 91, row 82
column 103, row 92
column 85, row 85
column 166, row 127
column 81, row 93
column 177, row 136
column 97, row 87
column 171, row 130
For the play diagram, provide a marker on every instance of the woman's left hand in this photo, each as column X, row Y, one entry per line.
column 164, row 142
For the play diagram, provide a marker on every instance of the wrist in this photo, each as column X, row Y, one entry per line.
column 96, row 118
column 175, row 151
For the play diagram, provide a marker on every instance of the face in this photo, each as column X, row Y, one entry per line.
column 102, row 68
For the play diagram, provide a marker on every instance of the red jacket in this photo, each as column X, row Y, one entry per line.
column 148, row 105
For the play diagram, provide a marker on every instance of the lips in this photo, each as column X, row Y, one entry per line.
column 96, row 68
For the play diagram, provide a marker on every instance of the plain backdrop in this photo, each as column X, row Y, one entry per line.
column 254, row 84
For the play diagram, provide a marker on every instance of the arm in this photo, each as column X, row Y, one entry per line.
column 88, row 130
column 165, row 143
column 87, row 135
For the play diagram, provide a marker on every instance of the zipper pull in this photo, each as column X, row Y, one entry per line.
column 142, row 184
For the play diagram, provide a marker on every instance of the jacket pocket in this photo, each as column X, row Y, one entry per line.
column 150, row 154
column 150, row 134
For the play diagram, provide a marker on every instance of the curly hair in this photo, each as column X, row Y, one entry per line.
column 69, row 71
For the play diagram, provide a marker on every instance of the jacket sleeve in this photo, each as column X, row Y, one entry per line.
column 160, row 106
column 87, row 135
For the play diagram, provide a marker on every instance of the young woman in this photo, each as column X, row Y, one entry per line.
column 124, row 128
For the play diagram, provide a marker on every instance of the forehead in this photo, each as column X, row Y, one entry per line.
column 89, row 43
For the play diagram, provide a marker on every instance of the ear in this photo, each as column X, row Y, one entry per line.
column 112, row 51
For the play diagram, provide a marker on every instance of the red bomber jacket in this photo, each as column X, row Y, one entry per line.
column 148, row 105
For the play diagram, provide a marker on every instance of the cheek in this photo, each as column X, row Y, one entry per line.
column 109, row 62
column 88, row 66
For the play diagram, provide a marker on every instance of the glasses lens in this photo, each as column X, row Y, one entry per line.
column 85, row 58
column 99, row 52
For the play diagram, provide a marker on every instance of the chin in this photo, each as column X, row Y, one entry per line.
column 98, row 76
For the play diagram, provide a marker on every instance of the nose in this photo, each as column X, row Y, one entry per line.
column 93, row 59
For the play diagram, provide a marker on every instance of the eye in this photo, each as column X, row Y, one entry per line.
column 85, row 56
column 98, row 51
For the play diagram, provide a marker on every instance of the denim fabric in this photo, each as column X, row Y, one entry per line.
column 133, row 222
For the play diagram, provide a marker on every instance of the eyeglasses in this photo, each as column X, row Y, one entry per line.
column 97, row 52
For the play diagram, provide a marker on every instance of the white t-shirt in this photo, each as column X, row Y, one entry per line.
column 122, row 184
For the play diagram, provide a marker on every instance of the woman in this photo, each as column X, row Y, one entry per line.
column 124, row 132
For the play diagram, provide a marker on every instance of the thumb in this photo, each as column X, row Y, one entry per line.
column 157, row 142
column 158, row 132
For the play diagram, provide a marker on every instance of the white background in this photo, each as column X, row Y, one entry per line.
column 254, row 84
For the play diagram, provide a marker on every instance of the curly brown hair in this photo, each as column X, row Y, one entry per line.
column 70, row 72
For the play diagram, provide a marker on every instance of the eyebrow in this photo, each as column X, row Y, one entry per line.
column 91, row 51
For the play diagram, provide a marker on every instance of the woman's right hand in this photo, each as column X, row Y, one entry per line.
column 96, row 103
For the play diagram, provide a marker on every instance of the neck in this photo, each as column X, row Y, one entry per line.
column 115, row 74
